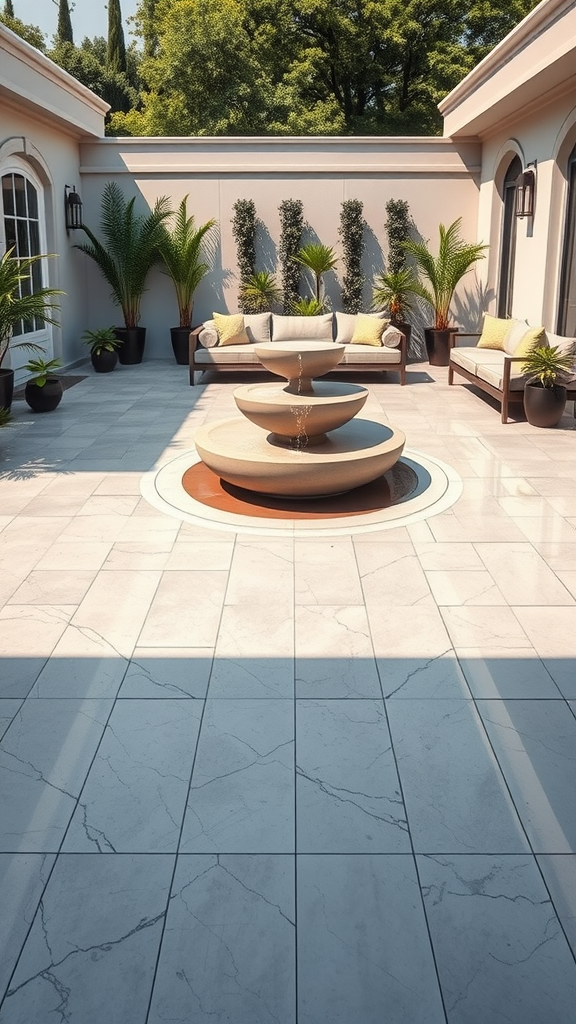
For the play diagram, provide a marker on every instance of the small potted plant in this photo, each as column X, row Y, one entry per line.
column 544, row 394
column 17, row 307
column 103, row 345
column 180, row 248
column 261, row 291
column 442, row 273
column 44, row 390
column 390, row 293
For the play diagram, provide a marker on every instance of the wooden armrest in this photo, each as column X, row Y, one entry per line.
column 456, row 335
column 194, row 336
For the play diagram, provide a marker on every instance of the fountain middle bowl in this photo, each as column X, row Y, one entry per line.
column 301, row 417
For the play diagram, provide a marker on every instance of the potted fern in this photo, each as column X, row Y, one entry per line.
column 20, row 306
column 129, row 249
column 44, row 390
column 441, row 274
column 544, row 392
column 180, row 250
column 103, row 345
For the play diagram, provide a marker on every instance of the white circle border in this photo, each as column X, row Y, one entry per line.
column 163, row 489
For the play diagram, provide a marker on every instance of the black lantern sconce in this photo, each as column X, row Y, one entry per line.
column 526, row 191
column 73, row 208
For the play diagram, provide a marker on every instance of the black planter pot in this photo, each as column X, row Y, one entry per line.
column 180, row 337
column 6, row 388
column 131, row 350
column 44, row 399
column 104, row 361
column 437, row 346
column 544, row 407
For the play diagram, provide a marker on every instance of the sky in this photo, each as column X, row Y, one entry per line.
column 89, row 17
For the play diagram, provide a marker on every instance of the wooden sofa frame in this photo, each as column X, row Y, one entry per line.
column 506, row 396
column 251, row 367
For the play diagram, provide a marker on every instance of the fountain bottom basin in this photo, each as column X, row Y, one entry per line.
column 241, row 454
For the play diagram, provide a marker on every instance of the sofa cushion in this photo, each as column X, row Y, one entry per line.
column 534, row 337
column 565, row 346
column 487, row 365
column 227, row 355
column 345, row 324
column 368, row 330
column 257, row 326
column 230, row 329
column 208, row 336
column 494, row 375
column 302, row 328
column 392, row 337
column 355, row 354
column 494, row 330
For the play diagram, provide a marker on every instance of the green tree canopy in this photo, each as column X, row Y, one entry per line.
column 308, row 66
column 30, row 33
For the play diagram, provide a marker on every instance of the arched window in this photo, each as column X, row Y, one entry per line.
column 22, row 230
column 567, row 310
column 508, row 242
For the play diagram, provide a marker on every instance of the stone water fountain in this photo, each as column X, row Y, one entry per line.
column 301, row 439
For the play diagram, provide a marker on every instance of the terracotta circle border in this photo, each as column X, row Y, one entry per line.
column 438, row 488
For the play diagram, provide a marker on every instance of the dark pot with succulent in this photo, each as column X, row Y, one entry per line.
column 181, row 250
column 129, row 251
column 544, row 392
column 442, row 274
column 390, row 294
column 44, row 390
column 18, row 310
column 103, row 345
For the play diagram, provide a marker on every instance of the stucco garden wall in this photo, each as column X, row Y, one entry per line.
column 438, row 178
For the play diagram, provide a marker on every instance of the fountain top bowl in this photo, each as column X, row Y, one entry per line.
column 296, row 360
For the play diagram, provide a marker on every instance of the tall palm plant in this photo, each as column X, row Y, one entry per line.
column 19, row 304
column 391, row 293
column 261, row 291
column 130, row 248
column 319, row 259
column 444, row 271
column 181, row 250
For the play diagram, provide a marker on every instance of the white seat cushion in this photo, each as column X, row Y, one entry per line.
column 357, row 354
column 302, row 328
column 227, row 356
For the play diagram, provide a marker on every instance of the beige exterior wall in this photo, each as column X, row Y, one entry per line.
column 437, row 177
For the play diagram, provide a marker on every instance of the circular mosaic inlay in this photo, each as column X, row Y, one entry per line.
column 417, row 487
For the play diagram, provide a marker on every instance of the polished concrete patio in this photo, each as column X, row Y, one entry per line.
column 285, row 780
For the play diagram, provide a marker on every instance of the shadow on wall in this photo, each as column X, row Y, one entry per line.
column 468, row 309
column 372, row 264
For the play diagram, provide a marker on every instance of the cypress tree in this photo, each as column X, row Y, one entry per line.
column 116, row 54
column 64, row 23
column 9, row 9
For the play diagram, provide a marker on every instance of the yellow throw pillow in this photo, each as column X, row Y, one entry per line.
column 368, row 330
column 230, row 329
column 493, row 333
column 535, row 337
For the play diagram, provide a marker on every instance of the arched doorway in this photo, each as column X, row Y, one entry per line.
column 508, row 240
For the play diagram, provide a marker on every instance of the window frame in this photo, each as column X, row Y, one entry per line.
column 568, row 263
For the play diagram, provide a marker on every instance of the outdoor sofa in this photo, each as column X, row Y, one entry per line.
column 385, row 350
column 494, row 363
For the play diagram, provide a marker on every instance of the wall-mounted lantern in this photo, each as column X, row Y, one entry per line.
column 526, row 191
column 72, row 208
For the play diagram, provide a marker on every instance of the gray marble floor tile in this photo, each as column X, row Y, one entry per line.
column 242, row 794
column 160, row 672
column 456, row 799
column 439, row 676
column 22, row 880
column 347, row 793
column 334, row 653
column 560, row 877
column 364, row 956
column 228, row 953
column 520, row 675
column 8, row 709
column 44, row 758
column 91, row 953
column 83, row 664
column 535, row 743
column 135, row 793
column 252, row 677
column 500, row 951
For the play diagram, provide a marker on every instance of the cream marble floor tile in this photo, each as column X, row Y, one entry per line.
column 138, row 556
column 152, row 529
column 548, row 528
column 32, row 631
column 74, row 555
column 116, row 606
column 255, row 631
column 419, row 533
column 109, row 504
column 551, row 630
column 200, row 555
column 406, row 633
column 464, row 587
column 448, row 556
column 326, row 572
column 564, row 505
column 529, row 505
column 334, row 653
column 523, row 575
column 449, row 527
column 54, row 504
column 557, row 554
column 492, row 629
column 98, row 528
column 119, row 483
column 568, row 579
column 66, row 586
column 4, row 521
column 393, row 576
column 185, row 610
column 9, row 583
column 554, row 486
column 262, row 574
